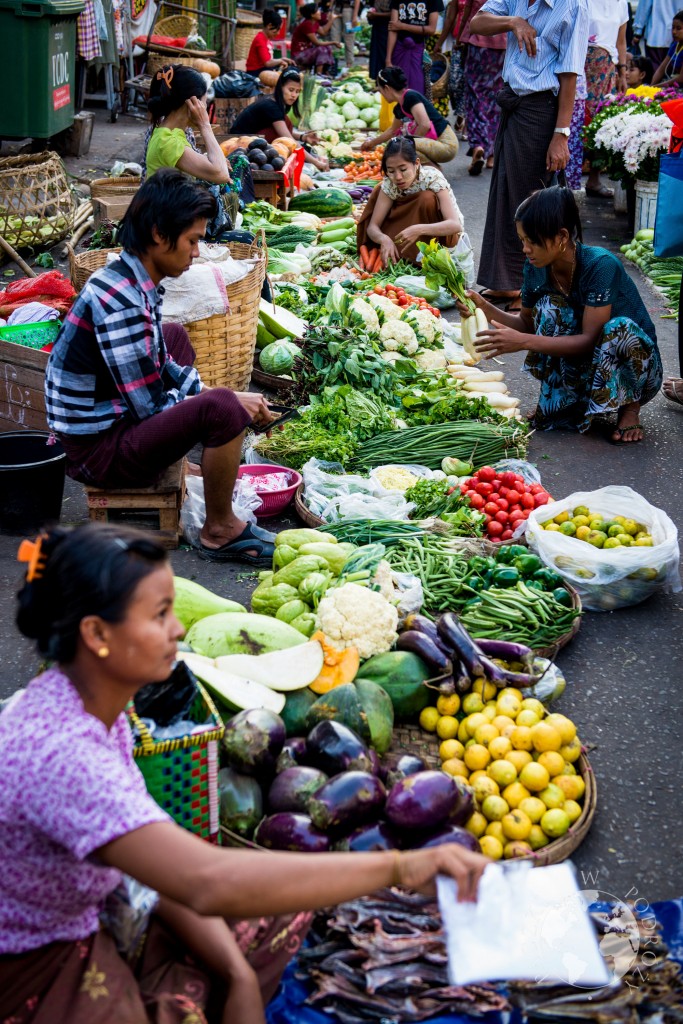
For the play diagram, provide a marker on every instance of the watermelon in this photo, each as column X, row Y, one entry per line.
column 323, row 202
column 362, row 706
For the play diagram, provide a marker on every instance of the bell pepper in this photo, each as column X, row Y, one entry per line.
column 548, row 578
column 504, row 576
column 528, row 564
column 563, row 596
column 536, row 585
column 481, row 565
column 476, row 582
column 507, row 553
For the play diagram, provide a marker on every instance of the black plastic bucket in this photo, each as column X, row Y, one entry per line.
column 31, row 480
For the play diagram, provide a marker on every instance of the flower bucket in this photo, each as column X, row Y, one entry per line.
column 646, row 204
column 620, row 201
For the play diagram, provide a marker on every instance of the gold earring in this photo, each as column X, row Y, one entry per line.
column 563, row 247
column 103, row 652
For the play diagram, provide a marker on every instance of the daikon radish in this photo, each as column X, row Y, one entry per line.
column 471, row 373
column 486, row 385
column 495, row 400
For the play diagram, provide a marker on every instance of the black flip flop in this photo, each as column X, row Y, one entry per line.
column 477, row 166
column 624, row 430
column 252, row 538
column 496, row 300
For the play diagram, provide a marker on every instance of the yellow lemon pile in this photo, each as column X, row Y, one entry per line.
column 618, row 532
column 519, row 762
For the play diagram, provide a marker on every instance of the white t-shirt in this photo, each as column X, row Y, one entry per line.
column 606, row 18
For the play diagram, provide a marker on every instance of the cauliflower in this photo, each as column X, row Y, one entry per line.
column 341, row 149
column 391, row 312
column 329, row 135
column 398, row 336
column 425, row 324
column 384, row 579
column 353, row 616
column 431, row 359
column 365, row 310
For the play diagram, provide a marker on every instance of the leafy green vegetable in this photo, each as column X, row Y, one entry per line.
column 434, row 497
column 434, row 399
column 442, row 272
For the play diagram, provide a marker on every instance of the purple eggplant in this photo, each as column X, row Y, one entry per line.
column 347, row 801
column 379, row 836
column 398, row 766
column 507, row 651
column 421, row 801
column 453, row 834
column 253, row 741
column 464, row 807
column 422, row 624
column 334, row 748
column 292, row 754
column 459, row 642
column 293, row 788
column 240, row 803
column 287, row 831
column 438, row 663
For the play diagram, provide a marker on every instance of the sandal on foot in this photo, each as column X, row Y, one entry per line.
column 478, row 161
column 621, row 431
column 672, row 389
column 253, row 546
column 599, row 193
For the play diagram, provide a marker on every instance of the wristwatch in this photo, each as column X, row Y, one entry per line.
column 563, row 131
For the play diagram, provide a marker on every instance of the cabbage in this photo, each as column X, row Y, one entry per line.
column 356, row 123
column 350, row 111
column 374, row 125
column 336, row 121
column 318, row 121
column 363, row 101
column 340, row 98
column 367, row 115
column 276, row 358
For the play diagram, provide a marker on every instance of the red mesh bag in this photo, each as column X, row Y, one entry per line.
column 52, row 288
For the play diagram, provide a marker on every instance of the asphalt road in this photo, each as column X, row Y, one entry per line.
column 624, row 677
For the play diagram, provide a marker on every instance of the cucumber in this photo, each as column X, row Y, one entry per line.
column 340, row 222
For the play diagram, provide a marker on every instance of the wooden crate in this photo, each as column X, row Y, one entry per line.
column 156, row 507
column 22, row 387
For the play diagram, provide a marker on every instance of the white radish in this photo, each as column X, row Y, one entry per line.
column 496, row 401
column 486, row 385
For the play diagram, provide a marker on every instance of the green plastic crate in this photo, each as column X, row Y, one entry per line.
column 31, row 335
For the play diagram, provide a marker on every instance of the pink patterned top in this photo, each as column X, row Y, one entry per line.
column 68, row 787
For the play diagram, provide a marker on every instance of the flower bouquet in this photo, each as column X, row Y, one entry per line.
column 627, row 136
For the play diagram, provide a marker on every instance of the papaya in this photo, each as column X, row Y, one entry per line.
column 402, row 675
column 297, row 705
column 362, row 706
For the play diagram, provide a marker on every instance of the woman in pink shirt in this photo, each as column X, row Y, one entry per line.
column 75, row 816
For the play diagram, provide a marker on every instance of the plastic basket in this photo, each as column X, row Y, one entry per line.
column 32, row 335
column 182, row 774
column 274, row 502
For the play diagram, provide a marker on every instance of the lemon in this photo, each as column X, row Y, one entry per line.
column 614, row 530
column 533, row 808
column 555, row 822
column 491, row 847
column 611, row 542
column 486, row 690
column 552, row 527
column 565, row 725
column 490, row 711
column 571, row 751
column 561, row 517
column 597, row 523
column 516, row 848
column 495, row 829
column 502, row 772
column 582, row 511
column 472, row 704
column 522, row 738
column 483, row 787
column 473, row 722
column 452, row 748
column 515, row 793
column 625, row 539
column 463, row 732
column 503, row 723
column 644, row 542
column 527, row 718
column 537, row 837
column 596, row 537
column 516, row 824
column 499, row 747
column 428, row 719
column 583, row 532
column 485, row 733
column 476, row 824
column 552, row 796
column 448, row 705
column 580, row 520
column 619, row 519
column 572, row 810
column 631, row 526
column 532, row 704
column 476, row 757
column 572, row 786
column 447, row 727
column 552, row 761
column 545, row 737
column 454, row 766
column 568, row 769
column 519, row 758
column 508, row 705
column 534, row 776
column 494, row 808
column 568, row 528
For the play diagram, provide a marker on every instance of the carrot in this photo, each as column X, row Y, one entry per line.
column 364, row 257
column 376, row 261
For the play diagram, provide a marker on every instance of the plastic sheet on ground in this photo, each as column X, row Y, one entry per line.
column 289, row 1003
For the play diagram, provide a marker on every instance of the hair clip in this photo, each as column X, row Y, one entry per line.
column 166, row 75
column 30, row 551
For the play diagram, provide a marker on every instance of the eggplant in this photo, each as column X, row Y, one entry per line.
column 288, row 831
column 240, row 803
column 419, row 643
column 507, row 651
column 253, row 741
column 398, row 766
column 293, row 753
column 453, row 834
column 379, row 836
column 293, row 788
column 422, row 624
column 347, row 801
column 422, row 801
column 335, row 748
column 460, row 643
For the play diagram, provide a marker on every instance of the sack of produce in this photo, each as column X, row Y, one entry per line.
column 612, row 545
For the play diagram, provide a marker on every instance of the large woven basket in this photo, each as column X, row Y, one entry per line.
column 83, row 264
column 225, row 343
column 176, row 26
column 36, row 204
column 440, row 87
column 249, row 24
column 100, row 188
column 182, row 774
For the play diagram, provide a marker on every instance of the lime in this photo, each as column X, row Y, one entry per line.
column 562, row 517
column 553, row 527
column 643, row 542
column 568, row 528
column 596, row 538
column 581, row 510
column 631, row 527
column 612, row 542
column 583, row 532
column 597, row 523
column 625, row 539
column 580, row 521
column 614, row 529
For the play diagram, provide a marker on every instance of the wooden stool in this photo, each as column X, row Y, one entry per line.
column 137, row 506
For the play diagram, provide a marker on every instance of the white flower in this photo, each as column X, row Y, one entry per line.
column 635, row 135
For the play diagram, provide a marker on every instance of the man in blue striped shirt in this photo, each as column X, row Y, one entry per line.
column 652, row 22
column 546, row 51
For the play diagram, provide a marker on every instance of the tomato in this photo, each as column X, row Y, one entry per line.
column 520, row 481
column 541, row 498
column 476, row 501
column 486, row 473
column 463, row 488
column 379, row 289
column 503, row 503
column 507, row 479
column 483, row 488
column 535, row 488
column 506, row 534
column 434, row 311
column 515, row 517
column 450, row 490
column 501, row 517
column 496, row 486
column 527, row 500
column 494, row 529
column 513, row 497
column 487, row 519
column 491, row 507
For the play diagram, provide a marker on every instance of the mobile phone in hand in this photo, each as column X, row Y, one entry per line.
column 284, row 413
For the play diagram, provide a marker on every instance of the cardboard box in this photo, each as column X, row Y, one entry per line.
column 111, row 208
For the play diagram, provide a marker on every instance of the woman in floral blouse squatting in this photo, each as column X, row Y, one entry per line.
column 75, row 816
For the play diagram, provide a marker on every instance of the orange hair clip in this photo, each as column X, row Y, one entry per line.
column 166, row 75
column 30, row 551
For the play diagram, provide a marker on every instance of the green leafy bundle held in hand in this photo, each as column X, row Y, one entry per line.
column 441, row 271
column 480, row 443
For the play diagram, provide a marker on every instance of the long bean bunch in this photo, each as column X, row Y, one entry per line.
column 442, row 570
column 527, row 616
column 369, row 531
column 469, row 440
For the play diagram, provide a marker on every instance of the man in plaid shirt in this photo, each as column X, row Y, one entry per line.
column 121, row 392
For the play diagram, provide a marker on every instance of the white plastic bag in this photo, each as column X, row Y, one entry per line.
column 245, row 503
column 526, row 469
column 410, row 593
column 334, row 495
column 463, row 255
column 417, row 286
column 618, row 577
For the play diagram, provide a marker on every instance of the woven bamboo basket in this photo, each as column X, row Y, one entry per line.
column 100, row 188
column 35, row 194
column 440, row 87
column 159, row 56
column 83, row 264
column 225, row 343
column 249, row 24
column 176, row 26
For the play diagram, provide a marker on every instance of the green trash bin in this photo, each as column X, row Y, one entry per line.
column 37, row 82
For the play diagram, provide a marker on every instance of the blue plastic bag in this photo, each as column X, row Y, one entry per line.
column 669, row 217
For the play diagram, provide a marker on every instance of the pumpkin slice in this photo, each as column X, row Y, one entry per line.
column 338, row 666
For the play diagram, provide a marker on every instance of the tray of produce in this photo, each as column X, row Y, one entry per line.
column 269, row 381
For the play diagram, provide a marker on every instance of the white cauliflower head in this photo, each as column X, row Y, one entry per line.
column 398, row 336
column 391, row 312
column 426, row 325
column 353, row 616
column 365, row 310
column 431, row 359
column 384, row 579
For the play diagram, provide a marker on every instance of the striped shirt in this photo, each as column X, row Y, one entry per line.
column 561, row 42
column 653, row 21
column 109, row 359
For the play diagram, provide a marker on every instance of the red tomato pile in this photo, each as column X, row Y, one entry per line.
column 402, row 299
column 504, row 498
